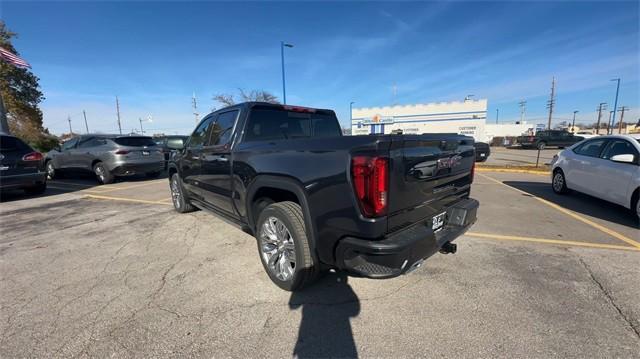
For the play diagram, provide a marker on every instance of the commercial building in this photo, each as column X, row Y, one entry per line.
column 463, row 117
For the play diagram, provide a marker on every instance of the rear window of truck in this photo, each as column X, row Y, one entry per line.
column 279, row 124
column 134, row 141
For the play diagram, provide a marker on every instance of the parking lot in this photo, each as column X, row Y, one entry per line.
column 516, row 156
column 97, row 271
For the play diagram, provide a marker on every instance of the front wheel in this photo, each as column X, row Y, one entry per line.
column 541, row 146
column 51, row 170
column 284, row 247
column 559, row 182
column 180, row 201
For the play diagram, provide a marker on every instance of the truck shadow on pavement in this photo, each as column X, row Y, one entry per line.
column 579, row 203
column 325, row 328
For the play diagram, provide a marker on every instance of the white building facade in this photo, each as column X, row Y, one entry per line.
column 464, row 117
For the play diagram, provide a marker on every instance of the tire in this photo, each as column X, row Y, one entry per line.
column 155, row 174
column 180, row 202
column 541, row 145
column 283, row 246
column 51, row 170
column 559, row 182
column 636, row 205
column 37, row 189
column 102, row 174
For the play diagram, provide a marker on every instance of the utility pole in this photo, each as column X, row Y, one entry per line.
column 622, row 110
column 552, row 101
column 497, row 115
column 351, row 113
column 573, row 124
column 609, row 125
column 194, row 104
column 70, row 130
column 86, row 126
column 602, row 106
column 615, row 103
column 523, row 109
column 118, row 113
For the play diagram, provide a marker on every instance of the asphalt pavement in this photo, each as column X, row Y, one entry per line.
column 113, row 271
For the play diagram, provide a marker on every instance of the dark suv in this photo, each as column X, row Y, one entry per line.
column 21, row 167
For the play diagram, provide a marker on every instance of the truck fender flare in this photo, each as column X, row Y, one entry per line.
column 287, row 184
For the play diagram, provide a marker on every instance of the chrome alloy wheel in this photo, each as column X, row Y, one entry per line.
column 175, row 192
column 277, row 248
column 558, row 182
column 50, row 170
column 100, row 173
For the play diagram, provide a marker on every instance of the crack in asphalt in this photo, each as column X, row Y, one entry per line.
column 610, row 298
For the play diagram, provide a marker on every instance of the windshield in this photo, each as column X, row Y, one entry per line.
column 134, row 141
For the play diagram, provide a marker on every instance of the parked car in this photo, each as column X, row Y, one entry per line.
column 21, row 167
column 482, row 151
column 107, row 156
column 586, row 134
column 607, row 167
column 546, row 138
column 168, row 144
column 376, row 206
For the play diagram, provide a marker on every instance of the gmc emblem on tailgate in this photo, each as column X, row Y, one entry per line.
column 449, row 162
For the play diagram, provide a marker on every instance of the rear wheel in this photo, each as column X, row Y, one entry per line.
column 180, row 202
column 37, row 189
column 102, row 173
column 284, row 247
column 559, row 183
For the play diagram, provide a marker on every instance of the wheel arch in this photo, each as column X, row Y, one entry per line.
column 279, row 188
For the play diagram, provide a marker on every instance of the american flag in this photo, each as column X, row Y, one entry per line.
column 12, row 58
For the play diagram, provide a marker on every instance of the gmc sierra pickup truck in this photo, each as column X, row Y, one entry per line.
column 375, row 206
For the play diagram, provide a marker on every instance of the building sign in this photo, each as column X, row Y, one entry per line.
column 377, row 120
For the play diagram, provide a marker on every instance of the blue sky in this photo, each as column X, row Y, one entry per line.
column 154, row 55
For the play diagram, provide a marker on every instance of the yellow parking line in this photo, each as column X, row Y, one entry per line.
column 550, row 241
column 123, row 199
column 114, row 188
column 572, row 214
column 512, row 170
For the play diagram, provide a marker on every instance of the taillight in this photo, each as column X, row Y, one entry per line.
column 121, row 152
column 33, row 156
column 370, row 177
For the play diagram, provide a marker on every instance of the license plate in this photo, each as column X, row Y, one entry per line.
column 146, row 153
column 437, row 222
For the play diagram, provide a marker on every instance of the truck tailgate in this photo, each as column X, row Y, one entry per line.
column 428, row 173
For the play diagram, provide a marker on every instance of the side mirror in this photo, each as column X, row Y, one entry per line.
column 626, row 158
column 175, row 145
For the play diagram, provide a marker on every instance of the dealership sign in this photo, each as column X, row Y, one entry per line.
column 377, row 120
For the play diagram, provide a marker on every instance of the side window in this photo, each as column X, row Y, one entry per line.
column 590, row 148
column 201, row 134
column 92, row 142
column 223, row 128
column 69, row 144
column 619, row 147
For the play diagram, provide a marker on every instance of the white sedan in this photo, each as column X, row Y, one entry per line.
column 607, row 167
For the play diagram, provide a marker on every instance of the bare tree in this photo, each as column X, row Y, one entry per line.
column 226, row 99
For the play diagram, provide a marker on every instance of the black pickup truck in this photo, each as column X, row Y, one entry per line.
column 375, row 206
column 546, row 138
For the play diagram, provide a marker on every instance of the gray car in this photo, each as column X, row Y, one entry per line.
column 107, row 156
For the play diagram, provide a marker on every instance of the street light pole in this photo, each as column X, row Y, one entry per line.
column 573, row 125
column 497, row 114
column 351, row 112
column 141, row 130
column 615, row 104
column 284, row 91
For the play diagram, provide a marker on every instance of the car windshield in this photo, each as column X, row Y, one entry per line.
column 134, row 141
